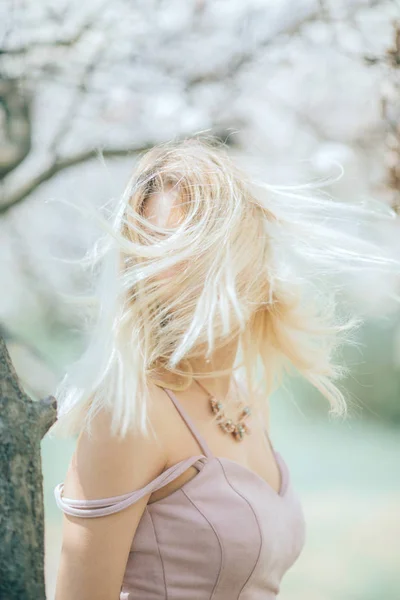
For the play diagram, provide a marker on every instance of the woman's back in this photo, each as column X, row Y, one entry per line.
column 215, row 524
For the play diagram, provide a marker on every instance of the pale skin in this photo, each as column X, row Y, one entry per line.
column 95, row 550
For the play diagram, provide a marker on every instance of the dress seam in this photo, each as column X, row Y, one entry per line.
column 222, row 561
column 159, row 553
column 258, row 525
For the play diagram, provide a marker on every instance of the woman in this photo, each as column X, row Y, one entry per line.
column 206, row 296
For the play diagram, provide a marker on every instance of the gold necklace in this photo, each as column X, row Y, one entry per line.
column 237, row 429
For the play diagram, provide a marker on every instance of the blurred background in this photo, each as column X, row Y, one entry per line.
column 293, row 87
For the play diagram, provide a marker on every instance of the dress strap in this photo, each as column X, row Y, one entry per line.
column 188, row 420
column 106, row 506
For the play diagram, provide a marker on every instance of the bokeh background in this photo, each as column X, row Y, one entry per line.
column 293, row 87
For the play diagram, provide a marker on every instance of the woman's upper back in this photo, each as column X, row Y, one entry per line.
column 223, row 533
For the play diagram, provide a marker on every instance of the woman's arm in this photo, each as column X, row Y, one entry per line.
column 95, row 550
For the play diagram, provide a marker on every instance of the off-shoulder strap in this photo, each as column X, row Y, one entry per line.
column 188, row 420
column 107, row 506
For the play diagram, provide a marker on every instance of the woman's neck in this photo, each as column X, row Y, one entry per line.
column 222, row 359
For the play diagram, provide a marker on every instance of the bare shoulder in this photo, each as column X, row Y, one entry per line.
column 95, row 551
column 106, row 465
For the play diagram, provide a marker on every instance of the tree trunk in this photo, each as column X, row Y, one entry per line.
column 23, row 423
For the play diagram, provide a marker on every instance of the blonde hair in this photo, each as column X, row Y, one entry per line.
column 251, row 262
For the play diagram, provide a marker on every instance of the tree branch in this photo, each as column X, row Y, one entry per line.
column 61, row 164
column 58, row 165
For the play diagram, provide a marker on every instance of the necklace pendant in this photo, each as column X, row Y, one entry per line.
column 239, row 432
column 228, row 426
column 239, row 429
column 216, row 406
column 246, row 428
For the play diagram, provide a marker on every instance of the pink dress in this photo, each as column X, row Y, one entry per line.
column 226, row 534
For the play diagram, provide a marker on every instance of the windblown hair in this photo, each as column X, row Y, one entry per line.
column 249, row 261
